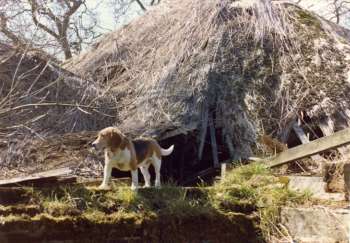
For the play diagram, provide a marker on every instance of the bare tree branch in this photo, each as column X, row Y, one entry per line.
column 123, row 8
column 61, row 26
column 7, row 32
column 337, row 11
column 35, row 9
column 153, row 2
column 141, row 5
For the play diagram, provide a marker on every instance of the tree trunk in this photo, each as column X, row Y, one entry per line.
column 66, row 48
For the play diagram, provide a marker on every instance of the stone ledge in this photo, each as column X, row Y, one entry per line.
column 317, row 224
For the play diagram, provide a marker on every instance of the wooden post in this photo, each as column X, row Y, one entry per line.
column 203, row 134
column 223, row 170
column 213, row 142
column 347, row 181
column 304, row 140
column 227, row 140
column 342, row 121
column 327, row 128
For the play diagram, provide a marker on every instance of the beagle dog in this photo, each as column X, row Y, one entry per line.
column 129, row 155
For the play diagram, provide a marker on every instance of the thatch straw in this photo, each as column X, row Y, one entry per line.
column 253, row 65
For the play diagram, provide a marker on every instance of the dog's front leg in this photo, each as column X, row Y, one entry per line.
column 134, row 179
column 106, row 176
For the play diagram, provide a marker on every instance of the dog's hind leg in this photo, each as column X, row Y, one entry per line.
column 134, row 179
column 157, row 164
column 146, row 175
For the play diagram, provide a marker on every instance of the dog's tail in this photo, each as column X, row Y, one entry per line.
column 166, row 152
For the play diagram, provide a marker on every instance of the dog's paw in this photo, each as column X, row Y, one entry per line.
column 134, row 188
column 146, row 186
column 104, row 187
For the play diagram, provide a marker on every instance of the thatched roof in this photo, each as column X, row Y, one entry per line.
column 253, row 67
column 37, row 97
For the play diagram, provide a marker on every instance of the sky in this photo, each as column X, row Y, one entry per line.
column 105, row 13
column 323, row 8
column 106, row 17
column 107, row 21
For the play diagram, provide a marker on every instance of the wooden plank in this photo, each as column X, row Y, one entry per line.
column 304, row 140
column 314, row 147
column 37, row 178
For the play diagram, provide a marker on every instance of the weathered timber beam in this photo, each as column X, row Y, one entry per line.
column 39, row 178
column 228, row 141
column 347, row 181
column 223, row 170
column 314, row 147
column 203, row 134
column 214, row 146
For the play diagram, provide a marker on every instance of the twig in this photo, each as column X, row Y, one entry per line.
column 50, row 104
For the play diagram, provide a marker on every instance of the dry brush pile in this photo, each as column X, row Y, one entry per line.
column 39, row 96
column 38, row 99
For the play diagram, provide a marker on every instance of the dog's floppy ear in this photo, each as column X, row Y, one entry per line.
column 115, row 139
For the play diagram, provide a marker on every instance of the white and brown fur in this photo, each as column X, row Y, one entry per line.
column 129, row 155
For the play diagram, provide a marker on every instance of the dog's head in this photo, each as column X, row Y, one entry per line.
column 109, row 137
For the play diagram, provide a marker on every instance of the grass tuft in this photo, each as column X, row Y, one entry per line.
column 253, row 187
